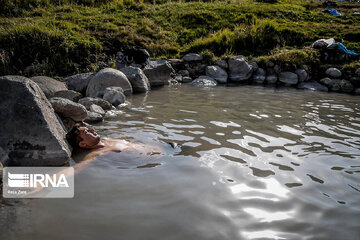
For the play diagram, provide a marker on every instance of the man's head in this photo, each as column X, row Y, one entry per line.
column 83, row 137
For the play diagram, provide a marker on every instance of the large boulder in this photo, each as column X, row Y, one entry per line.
column 31, row 134
column 107, row 77
column 288, row 78
column 333, row 72
column 49, row 85
column 69, row 94
column 239, row 69
column 68, row 109
column 204, row 81
column 88, row 101
column 137, row 78
column 190, row 57
column 158, row 72
column 217, row 73
column 259, row 76
column 314, row 86
column 114, row 95
column 79, row 82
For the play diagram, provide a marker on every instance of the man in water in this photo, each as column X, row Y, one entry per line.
column 86, row 138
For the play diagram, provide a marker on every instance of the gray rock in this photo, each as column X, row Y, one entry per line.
column 288, row 78
column 69, row 94
column 357, row 91
column 68, row 109
column 88, row 101
column 239, row 69
column 49, row 85
column 31, row 134
column 271, row 79
column 204, row 81
column 327, row 82
column 255, row 66
column 158, row 72
column 192, row 57
column 97, row 109
column 315, row 86
column 93, row 117
column 217, row 73
column 187, row 79
column 79, row 82
column 346, row 86
column 178, row 78
column 259, row 76
column 333, row 72
column 184, row 73
column 333, row 84
column 222, row 63
column 114, row 95
column 302, row 75
column 137, row 78
column 108, row 77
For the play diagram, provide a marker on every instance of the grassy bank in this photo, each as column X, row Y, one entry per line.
column 67, row 36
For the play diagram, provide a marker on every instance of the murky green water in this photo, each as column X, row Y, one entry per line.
column 255, row 163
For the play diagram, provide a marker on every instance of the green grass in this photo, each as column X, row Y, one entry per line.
column 61, row 37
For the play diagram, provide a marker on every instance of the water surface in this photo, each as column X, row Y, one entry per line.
column 254, row 163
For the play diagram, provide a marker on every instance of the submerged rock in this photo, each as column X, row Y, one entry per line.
column 49, row 85
column 31, row 133
column 204, row 81
column 315, row 86
column 108, row 77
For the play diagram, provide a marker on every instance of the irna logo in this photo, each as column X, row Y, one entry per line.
column 37, row 180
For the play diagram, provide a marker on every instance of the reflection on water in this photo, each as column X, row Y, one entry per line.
column 253, row 163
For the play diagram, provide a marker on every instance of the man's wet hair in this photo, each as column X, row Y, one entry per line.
column 73, row 136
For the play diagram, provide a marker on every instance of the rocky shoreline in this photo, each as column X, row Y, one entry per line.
column 37, row 112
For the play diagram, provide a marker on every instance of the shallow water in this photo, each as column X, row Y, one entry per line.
column 254, row 163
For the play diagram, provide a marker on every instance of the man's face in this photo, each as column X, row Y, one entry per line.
column 89, row 137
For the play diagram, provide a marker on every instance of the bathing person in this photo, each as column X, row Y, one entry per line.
column 87, row 139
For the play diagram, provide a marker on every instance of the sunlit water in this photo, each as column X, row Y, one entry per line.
column 254, row 163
